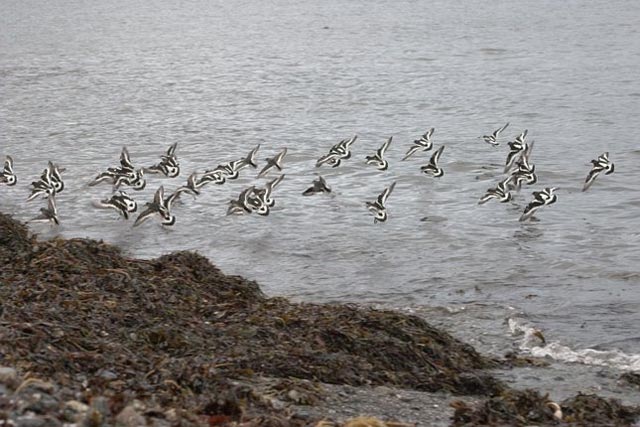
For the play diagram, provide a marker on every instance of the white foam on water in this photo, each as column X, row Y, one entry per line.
column 533, row 344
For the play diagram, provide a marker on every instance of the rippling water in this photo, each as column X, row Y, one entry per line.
column 78, row 81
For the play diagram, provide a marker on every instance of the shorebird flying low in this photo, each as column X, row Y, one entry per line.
column 250, row 160
column 520, row 138
column 432, row 167
column 378, row 207
column 217, row 176
column 122, row 203
column 540, row 199
column 337, row 153
column 160, row 206
column 125, row 174
column 261, row 198
column 526, row 171
column 422, row 144
column 493, row 138
column 231, row 170
column 192, row 187
column 273, row 162
column 601, row 164
column 56, row 177
column 318, row 186
column 516, row 148
column 7, row 176
column 168, row 165
column 378, row 159
column 42, row 187
column 500, row 193
column 49, row 184
column 246, row 202
column 50, row 213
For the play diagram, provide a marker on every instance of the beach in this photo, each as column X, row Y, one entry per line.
column 82, row 323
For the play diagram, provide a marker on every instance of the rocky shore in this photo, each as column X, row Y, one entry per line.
column 89, row 337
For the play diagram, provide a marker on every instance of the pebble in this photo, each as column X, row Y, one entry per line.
column 128, row 417
column 8, row 376
column 40, row 403
column 75, row 411
column 100, row 404
column 36, row 421
column 34, row 385
column 107, row 375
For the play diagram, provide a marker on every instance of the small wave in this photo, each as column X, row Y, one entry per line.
column 532, row 343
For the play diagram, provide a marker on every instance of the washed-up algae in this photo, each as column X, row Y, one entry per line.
column 176, row 340
column 528, row 407
column 80, row 313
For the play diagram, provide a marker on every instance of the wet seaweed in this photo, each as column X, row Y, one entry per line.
column 175, row 329
column 174, row 341
column 528, row 407
column 589, row 409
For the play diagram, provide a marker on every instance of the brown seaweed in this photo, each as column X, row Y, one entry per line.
column 102, row 339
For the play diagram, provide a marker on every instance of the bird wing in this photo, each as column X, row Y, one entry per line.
column 350, row 141
column 427, row 134
column 265, row 169
column 384, row 148
column 511, row 156
column 382, row 198
column 324, row 159
column 540, row 196
column 145, row 215
column 158, row 197
column 273, row 184
column 55, row 172
column 171, row 152
column 411, row 151
column 51, row 204
column 591, row 177
column 502, row 185
column 500, row 130
column 251, row 157
column 436, row 156
column 245, row 195
column 530, row 209
column 125, row 159
column 8, row 165
column 488, row 196
column 168, row 202
column 280, row 156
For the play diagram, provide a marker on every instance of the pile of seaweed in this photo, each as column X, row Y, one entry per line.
column 79, row 312
column 528, row 407
column 177, row 340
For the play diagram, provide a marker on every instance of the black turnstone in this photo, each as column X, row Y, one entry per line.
column 601, row 164
column 273, row 162
column 540, row 199
column 378, row 159
column 318, row 186
column 378, row 207
column 432, row 167
column 422, row 144
column 7, row 176
column 493, row 138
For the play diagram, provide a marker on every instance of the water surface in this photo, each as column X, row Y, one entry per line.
column 80, row 80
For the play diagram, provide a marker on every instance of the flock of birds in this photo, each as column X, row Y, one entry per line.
column 518, row 169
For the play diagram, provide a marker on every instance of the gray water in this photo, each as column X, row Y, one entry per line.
column 79, row 80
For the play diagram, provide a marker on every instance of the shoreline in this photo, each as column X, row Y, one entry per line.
column 174, row 340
